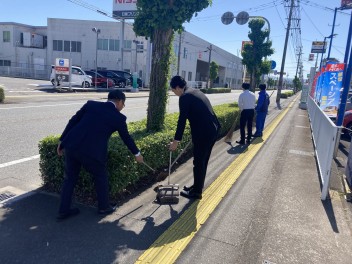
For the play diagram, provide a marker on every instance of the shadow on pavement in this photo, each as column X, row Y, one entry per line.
column 30, row 233
column 330, row 214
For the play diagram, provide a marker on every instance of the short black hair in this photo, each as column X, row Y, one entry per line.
column 116, row 95
column 246, row 86
column 262, row 86
column 177, row 81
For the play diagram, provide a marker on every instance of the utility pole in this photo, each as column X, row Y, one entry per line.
column 179, row 53
column 210, row 49
column 299, row 59
column 122, row 42
column 279, row 88
column 298, row 65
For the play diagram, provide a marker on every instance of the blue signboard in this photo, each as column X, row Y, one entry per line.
column 330, row 90
column 273, row 64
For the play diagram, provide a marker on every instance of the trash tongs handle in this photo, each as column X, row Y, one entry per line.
column 168, row 178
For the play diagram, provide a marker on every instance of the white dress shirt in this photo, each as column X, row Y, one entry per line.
column 246, row 100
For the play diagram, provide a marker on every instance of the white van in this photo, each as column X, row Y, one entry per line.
column 78, row 77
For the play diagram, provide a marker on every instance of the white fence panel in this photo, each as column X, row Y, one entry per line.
column 324, row 133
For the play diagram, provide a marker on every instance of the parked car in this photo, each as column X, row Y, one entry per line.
column 347, row 123
column 118, row 80
column 100, row 81
column 128, row 76
column 78, row 77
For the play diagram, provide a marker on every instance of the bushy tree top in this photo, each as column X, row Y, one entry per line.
column 165, row 14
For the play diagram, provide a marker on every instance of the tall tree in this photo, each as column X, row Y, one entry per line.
column 297, row 84
column 214, row 71
column 158, row 20
column 254, row 52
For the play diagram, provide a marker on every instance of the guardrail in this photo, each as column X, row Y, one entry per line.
column 324, row 133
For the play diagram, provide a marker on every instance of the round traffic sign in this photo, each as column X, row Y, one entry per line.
column 227, row 18
column 273, row 64
column 242, row 18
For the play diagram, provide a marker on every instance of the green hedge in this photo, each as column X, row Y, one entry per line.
column 286, row 94
column 216, row 90
column 124, row 171
column 2, row 94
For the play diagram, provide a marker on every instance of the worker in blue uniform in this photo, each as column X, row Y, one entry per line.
column 261, row 110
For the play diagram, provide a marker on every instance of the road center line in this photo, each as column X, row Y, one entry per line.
column 18, row 161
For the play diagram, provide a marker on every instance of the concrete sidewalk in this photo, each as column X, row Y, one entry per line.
column 272, row 212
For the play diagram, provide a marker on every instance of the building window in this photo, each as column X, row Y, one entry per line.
column 127, row 44
column 76, row 46
column 6, row 36
column 140, row 46
column 114, row 44
column 185, row 52
column 67, row 45
column 103, row 44
column 189, row 76
column 5, row 63
column 183, row 74
column 57, row 45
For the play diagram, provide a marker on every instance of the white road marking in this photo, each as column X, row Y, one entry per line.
column 302, row 126
column 25, row 91
column 300, row 152
column 18, row 161
column 37, row 106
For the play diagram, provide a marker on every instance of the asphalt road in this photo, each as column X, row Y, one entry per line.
column 33, row 110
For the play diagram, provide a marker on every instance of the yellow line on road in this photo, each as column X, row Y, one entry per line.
column 168, row 247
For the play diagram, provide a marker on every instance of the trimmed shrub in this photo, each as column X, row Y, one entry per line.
column 216, row 90
column 2, row 94
column 286, row 94
column 123, row 170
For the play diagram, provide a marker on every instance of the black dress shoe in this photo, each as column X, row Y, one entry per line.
column 241, row 142
column 187, row 188
column 257, row 135
column 248, row 141
column 108, row 210
column 191, row 194
column 70, row 213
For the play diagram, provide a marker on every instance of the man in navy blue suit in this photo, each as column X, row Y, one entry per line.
column 196, row 108
column 85, row 144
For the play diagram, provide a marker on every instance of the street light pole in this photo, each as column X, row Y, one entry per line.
column 97, row 31
column 322, row 54
column 210, row 49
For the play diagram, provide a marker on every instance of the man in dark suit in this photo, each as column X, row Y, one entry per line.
column 85, row 143
column 196, row 108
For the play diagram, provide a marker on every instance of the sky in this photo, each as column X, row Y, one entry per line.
column 316, row 23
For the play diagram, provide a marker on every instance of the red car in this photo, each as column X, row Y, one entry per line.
column 101, row 80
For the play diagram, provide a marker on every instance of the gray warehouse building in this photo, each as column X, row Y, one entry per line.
column 29, row 51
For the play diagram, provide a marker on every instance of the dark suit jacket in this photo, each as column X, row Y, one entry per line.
column 195, row 107
column 89, row 130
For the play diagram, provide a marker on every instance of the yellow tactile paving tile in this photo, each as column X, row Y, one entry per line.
column 175, row 239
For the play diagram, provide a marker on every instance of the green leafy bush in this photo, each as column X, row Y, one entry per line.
column 216, row 90
column 286, row 94
column 2, row 94
column 123, row 170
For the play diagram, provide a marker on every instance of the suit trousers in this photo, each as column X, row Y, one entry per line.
column 246, row 118
column 73, row 163
column 201, row 155
column 259, row 123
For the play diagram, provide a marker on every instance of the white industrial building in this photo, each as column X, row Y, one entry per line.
column 29, row 51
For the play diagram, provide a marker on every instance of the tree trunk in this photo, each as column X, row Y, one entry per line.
column 158, row 79
column 252, row 82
